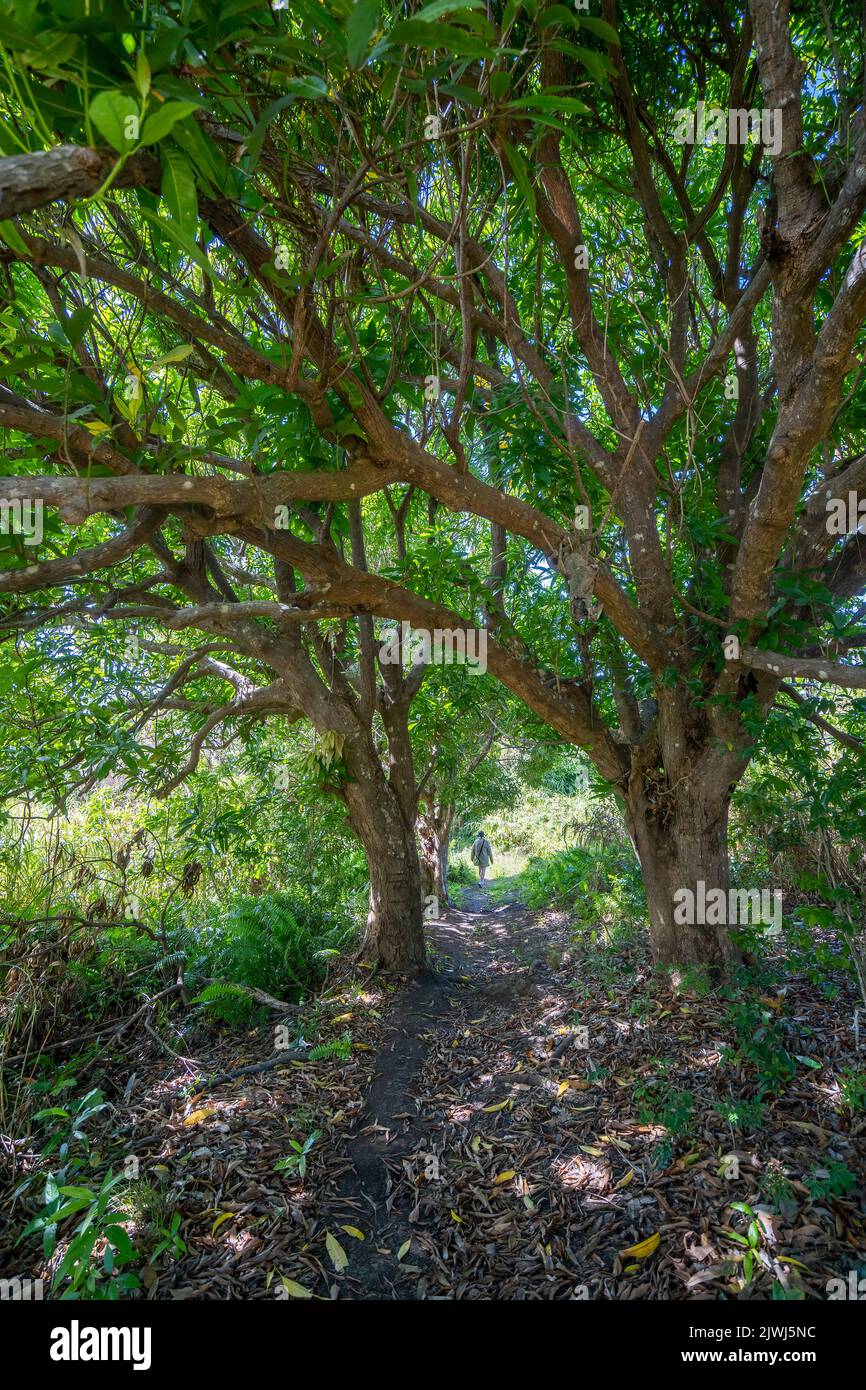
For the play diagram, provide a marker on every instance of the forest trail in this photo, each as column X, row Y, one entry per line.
column 484, row 952
column 481, row 1136
column 419, row 1170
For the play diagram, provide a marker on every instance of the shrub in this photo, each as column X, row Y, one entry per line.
column 601, row 885
column 279, row 942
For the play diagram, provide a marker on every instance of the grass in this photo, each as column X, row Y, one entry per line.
column 509, row 864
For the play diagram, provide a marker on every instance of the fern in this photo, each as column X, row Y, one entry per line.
column 227, row 1002
column 279, row 942
column 337, row 1047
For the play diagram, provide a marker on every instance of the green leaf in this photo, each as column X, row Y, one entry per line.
column 10, row 234
column 179, row 190
column 600, row 27
column 160, row 123
column 183, row 241
column 142, row 74
column 255, row 141
column 440, row 7
column 177, row 354
column 78, row 323
column 456, row 42
column 521, row 174
column 114, row 114
column 360, row 28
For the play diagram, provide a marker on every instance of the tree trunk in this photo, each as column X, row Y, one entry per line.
column 434, row 837
column 682, row 846
column 394, row 938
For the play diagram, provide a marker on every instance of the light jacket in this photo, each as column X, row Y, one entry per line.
column 481, row 852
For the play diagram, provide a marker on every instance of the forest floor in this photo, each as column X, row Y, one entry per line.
column 477, row 1144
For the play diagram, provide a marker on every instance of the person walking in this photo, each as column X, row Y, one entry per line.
column 481, row 854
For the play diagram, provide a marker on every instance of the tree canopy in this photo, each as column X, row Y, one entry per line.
column 332, row 315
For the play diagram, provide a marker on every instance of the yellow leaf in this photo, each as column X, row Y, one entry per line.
column 339, row 1258
column 343, row 1018
column 490, row 1109
column 632, row 1269
column 224, row 1216
column 588, row 1149
column 455, row 1217
column 506, row 1176
column 353, row 1231
column 96, row 426
column 646, row 1247
column 198, row 1115
column 404, row 1248
column 361, row 1047
column 771, row 1003
column 624, row 1181
column 562, row 1088
column 294, row 1290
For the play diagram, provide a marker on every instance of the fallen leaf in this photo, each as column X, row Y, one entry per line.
column 198, row 1115
column 338, row 1256
column 294, row 1290
column 646, row 1247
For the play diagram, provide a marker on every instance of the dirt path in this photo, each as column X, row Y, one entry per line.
column 484, row 1135
column 485, row 953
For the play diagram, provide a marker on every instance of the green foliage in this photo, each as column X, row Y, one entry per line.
column 337, row 1047
column 834, row 1179
column 659, row 1102
column 460, row 873
column 760, row 1043
column 852, row 1090
column 775, row 1183
column 281, row 943
column 296, row 1162
column 81, row 1272
column 751, row 1242
column 601, row 885
column 742, row 1113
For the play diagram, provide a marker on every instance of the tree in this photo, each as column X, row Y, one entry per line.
column 492, row 256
